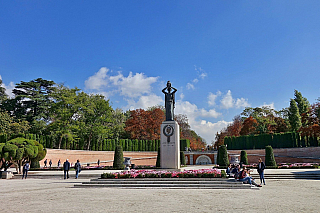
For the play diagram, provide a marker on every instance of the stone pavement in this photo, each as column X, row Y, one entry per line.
column 58, row 195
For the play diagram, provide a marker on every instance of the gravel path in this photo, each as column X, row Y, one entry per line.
column 58, row 195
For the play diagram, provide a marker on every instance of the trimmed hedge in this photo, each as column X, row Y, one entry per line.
column 277, row 140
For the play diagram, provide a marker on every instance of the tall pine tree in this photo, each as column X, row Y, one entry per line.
column 294, row 116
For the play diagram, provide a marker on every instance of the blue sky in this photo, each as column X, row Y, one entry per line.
column 221, row 55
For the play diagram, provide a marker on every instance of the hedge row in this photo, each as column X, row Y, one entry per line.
column 278, row 140
column 97, row 144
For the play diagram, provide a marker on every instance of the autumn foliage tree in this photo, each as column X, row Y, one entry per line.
column 310, row 119
column 249, row 126
column 196, row 142
column 145, row 124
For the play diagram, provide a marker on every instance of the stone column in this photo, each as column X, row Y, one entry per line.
column 170, row 145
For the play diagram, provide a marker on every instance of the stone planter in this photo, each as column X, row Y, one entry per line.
column 6, row 175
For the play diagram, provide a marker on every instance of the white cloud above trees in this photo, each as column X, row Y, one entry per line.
column 136, row 90
column 132, row 86
column 8, row 88
column 228, row 102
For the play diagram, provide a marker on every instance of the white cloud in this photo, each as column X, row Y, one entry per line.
column 208, row 130
column 181, row 96
column 204, row 128
column 228, row 102
column 98, row 80
column 8, row 88
column 203, row 75
column 195, row 80
column 271, row 105
column 132, row 86
column 241, row 103
column 190, row 86
column 212, row 98
column 211, row 113
column 145, row 101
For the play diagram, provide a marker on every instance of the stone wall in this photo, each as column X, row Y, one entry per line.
column 138, row 158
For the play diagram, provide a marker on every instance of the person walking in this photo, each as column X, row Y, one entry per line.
column 98, row 162
column 25, row 170
column 45, row 163
column 77, row 167
column 50, row 163
column 261, row 168
column 59, row 163
column 66, row 168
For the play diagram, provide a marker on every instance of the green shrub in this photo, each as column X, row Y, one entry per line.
column 158, row 159
column 223, row 174
column 244, row 158
column 182, row 158
column 118, row 158
column 108, row 176
column 223, row 156
column 269, row 157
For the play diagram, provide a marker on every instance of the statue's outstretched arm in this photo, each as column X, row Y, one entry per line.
column 174, row 89
column 164, row 91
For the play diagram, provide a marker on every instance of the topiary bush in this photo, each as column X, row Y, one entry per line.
column 182, row 158
column 223, row 160
column 244, row 158
column 269, row 157
column 158, row 159
column 118, row 158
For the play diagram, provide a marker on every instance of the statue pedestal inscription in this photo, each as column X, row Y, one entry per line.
column 170, row 145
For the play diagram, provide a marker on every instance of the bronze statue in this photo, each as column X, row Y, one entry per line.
column 169, row 101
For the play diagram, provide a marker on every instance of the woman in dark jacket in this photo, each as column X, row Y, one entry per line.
column 261, row 168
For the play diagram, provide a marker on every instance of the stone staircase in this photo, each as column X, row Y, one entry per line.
column 310, row 176
column 167, row 183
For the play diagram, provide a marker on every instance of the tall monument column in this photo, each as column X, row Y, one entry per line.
column 170, row 133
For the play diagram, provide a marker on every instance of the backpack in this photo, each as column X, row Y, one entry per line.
column 242, row 174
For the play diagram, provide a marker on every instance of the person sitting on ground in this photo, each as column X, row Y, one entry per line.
column 245, row 178
column 236, row 172
column 228, row 170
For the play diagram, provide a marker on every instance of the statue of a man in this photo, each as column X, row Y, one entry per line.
column 169, row 101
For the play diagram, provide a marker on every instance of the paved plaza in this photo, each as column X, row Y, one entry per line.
column 58, row 195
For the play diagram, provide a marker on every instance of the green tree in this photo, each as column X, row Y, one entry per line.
column 95, row 117
column 294, row 116
column 20, row 150
column 302, row 102
column 5, row 122
column 3, row 95
column 64, row 112
column 34, row 97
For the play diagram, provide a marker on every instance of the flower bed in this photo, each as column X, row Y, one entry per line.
column 286, row 166
column 298, row 165
column 200, row 173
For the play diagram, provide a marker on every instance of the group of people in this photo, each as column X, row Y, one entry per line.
column 243, row 174
column 46, row 161
column 66, row 168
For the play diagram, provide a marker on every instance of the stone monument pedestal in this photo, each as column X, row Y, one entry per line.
column 170, row 145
